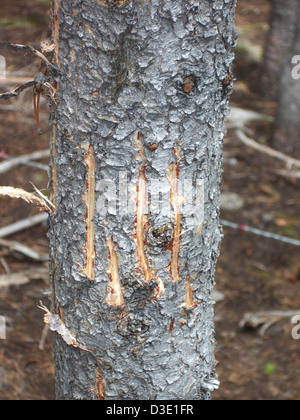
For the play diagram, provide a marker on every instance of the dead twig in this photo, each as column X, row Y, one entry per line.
column 5, row 265
column 26, row 49
column 17, row 91
column 27, row 196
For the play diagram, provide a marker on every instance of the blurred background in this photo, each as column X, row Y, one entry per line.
column 258, row 278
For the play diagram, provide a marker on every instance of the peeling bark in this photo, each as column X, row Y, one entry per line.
column 140, row 93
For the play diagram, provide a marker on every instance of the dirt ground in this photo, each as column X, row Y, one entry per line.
column 254, row 274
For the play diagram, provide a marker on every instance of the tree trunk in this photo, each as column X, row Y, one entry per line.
column 286, row 136
column 283, row 22
column 142, row 95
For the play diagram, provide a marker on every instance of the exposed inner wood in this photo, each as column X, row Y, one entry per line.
column 114, row 291
column 100, row 385
column 55, row 31
column 90, row 202
column 53, row 167
column 142, row 221
column 189, row 302
column 141, row 216
column 173, row 178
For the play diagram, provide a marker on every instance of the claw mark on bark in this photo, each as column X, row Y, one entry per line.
column 100, row 385
column 142, row 221
column 173, row 177
column 189, row 302
column 141, row 217
column 53, row 167
column 114, row 292
column 90, row 202
column 55, row 30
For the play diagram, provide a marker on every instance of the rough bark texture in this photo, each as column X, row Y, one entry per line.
column 283, row 21
column 142, row 90
column 286, row 136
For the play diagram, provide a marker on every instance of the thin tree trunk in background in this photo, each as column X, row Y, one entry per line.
column 283, row 21
column 286, row 136
column 142, row 98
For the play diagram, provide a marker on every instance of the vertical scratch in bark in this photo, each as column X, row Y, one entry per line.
column 53, row 167
column 142, row 221
column 100, row 385
column 55, row 30
column 173, row 178
column 90, row 202
column 141, row 217
column 114, row 295
column 189, row 302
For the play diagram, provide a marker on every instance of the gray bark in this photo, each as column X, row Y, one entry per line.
column 283, row 22
column 143, row 90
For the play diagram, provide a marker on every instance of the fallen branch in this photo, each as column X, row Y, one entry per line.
column 23, row 160
column 23, row 224
column 5, row 265
column 26, row 49
column 14, row 246
column 291, row 162
column 288, row 174
column 239, row 118
column 258, row 232
column 264, row 320
column 24, row 277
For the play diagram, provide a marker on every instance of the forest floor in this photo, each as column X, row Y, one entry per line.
column 254, row 274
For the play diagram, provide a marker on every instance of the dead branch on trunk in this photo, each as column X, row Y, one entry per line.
column 25, row 49
column 16, row 92
column 30, row 198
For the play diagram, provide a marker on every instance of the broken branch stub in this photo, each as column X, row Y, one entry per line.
column 26, row 196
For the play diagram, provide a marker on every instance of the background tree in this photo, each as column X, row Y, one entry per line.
column 283, row 23
column 277, row 81
column 286, row 136
column 142, row 95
